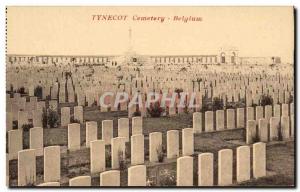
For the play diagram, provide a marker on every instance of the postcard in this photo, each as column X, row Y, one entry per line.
column 173, row 96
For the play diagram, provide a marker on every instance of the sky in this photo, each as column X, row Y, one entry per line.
column 254, row 31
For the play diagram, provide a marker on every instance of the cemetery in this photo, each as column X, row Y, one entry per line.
column 238, row 132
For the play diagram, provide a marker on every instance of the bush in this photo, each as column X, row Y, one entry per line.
column 155, row 110
column 266, row 100
column 21, row 90
column 52, row 118
column 38, row 92
column 186, row 109
column 72, row 120
column 206, row 107
column 26, row 127
column 136, row 114
column 217, row 104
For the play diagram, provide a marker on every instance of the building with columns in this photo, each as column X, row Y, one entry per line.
column 223, row 57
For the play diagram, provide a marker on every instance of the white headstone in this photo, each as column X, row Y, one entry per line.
column 205, row 169
column 74, row 136
column 137, row 149
column 243, row 163
column 173, row 144
column 184, row 171
column 259, row 160
column 225, row 167
column 137, row 175
column 97, row 156
column 52, row 163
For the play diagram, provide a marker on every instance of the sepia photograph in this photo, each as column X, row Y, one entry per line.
column 150, row 96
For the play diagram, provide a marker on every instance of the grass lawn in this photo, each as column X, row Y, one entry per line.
column 280, row 155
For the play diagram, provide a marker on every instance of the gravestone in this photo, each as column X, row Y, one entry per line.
column 91, row 132
column 230, row 119
column 243, row 163
column 155, row 146
column 137, row 125
column 65, row 116
column 205, row 169
column 250, row 131
column 274, row 127
column 80, row 181
column 117, row 151
column 184, row 171
column 259, row 160
column 36, row 140
column 285, row 110
column 285, row 127
column 107, row 131
column 220, row 120
column 276, row 111
column 209, row 121
column 197, row 122
column 52, row 164
column 259, row 113
column 9, row 121
column 37, row 118
column 173, row 144
column 137, row 149
column 250, row 113
column 268, row 112
column 137, row 175
column 74, row 136
column 15, row 143
column 97, row 156
column 110, row 178
column 187, row 142
column 225, row 167
column 263, row 130
column 240, row 117
column 22, row 119
column 78, row 113
column 26, row 167
column 123, row 128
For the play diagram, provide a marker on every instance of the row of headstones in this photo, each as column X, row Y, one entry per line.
column 274, row 129
column 137, row 175
column 283, row 98
column 17, row 113
column 235, row 118
column 15, row 137
column 97, row 148
column 16, row 104
column 107, row 131
column 23, row 117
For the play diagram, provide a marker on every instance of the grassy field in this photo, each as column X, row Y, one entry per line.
column 280, row 155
